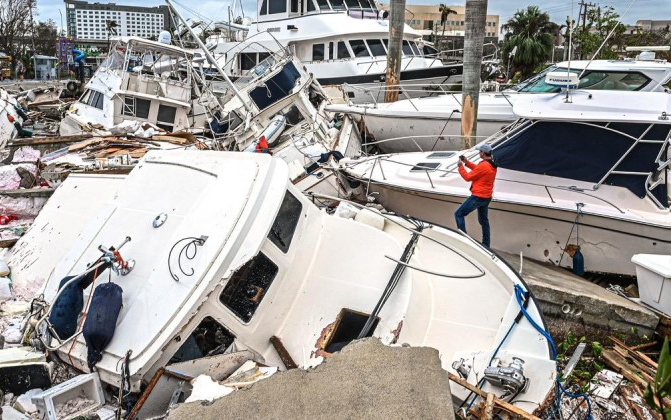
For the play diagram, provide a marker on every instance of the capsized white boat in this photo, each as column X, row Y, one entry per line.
column 141, row 81
column 434, row 123
column 590, row 170
column 229, row 254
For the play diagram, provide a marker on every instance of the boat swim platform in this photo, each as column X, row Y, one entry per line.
column 571, row 303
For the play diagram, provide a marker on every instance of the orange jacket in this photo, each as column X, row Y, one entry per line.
column 482, row 177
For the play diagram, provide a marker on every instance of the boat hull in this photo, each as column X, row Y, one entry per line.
column 538, row 232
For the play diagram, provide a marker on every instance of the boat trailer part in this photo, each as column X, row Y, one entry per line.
column 511, row 378
column 110, row 255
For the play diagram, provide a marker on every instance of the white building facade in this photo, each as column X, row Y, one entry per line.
column 89, row 21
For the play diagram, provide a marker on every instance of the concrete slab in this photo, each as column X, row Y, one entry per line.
column 566, row 298
column 19, row 355
column 364, row 380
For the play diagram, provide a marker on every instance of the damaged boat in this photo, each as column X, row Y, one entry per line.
column 141, row 81
column 434, row 123
column 11, row 118
column 584, row 174
column 218, row 267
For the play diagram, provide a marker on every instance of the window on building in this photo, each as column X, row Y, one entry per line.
column 246, row 288
column 318, row 52
column 359, row 48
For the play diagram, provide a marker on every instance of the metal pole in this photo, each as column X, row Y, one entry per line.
column 210, row 57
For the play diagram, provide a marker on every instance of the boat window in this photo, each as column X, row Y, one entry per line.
column 429, row 51
column 352, row 4
column 318, row 52
column 208, row 339
column 311, row 6
column 247, row 61
column 323, row 5
column 331, row 51
column 284, row 226
column 136, row 107
column 293, row 116
column 440, row 155
column 348, row 325
column 386, row 43
column 220, row 125
column 94, row 99
column 343, row 52
column 294, row 6
column 263, row 56
column 425, row 166
column 567, row 150
column 276, row 88
column 376, row 47
column 407, row 50
column 359, row 48
column 166, row 117
column 247, row 286
column 415, row 50
column 114, row 61
column 277, row 6
column 264, row 7
column 338, row 4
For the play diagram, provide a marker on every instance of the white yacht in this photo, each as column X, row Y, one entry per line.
column 434, row 123
column 10, row 118
column 228, row 257
column 142, row 81
column 340, row 42
column 589, row 169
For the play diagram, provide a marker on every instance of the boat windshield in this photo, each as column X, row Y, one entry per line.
column 114, row 61
column 591, row 79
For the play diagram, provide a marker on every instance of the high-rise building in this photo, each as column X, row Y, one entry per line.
column 88, row 22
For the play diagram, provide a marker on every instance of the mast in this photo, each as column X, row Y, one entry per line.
column 210, row 57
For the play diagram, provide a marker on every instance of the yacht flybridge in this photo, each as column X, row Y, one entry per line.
column 234, row 260
column 434, row 123
column 589, row 170
column 141, row 80
column 340, row 42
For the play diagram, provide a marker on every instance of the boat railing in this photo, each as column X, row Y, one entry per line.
column 408, row 90
column 452, row 169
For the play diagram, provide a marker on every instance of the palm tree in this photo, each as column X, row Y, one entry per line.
column 445, row 11
column 530, row 34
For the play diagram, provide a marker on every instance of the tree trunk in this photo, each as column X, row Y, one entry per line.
column 396, row 22
column 476, row 18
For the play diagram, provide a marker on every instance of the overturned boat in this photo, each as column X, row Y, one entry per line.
column 586, row 172
column 221, row 267
column 141, row 81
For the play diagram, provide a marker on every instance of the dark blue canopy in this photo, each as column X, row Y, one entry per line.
column 587, row 152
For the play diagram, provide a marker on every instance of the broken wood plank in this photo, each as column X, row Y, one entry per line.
column 36, row 141
column 489, row 407
column 638, row 355
column 643, row 368
column 500, row 403
column 629, row 395
column 644, row 346
column 620, row 365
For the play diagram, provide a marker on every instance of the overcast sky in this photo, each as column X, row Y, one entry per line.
column 558, row 9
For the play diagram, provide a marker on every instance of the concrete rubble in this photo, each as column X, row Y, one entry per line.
column 364, row 380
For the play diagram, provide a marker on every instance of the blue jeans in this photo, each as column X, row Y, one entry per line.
column 472, row 203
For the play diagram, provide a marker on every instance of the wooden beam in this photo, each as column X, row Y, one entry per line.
column 284, row 354
column 500, row 403
column 36, row 141
column 489, row 407
column 635, row 354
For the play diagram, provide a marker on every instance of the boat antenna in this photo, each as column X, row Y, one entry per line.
column 210, row 57
column 607, row 38
column 570, row 44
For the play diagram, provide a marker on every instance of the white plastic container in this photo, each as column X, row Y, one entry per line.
column 654, row 280
column 82, row 386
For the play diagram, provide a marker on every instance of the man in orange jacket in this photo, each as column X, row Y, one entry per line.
column 482, row 178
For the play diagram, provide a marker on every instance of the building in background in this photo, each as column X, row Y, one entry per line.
column 426, row 20
column 88, row 22
column 653, row 25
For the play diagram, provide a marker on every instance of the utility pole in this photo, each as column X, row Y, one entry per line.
column 393, row 76
column 474, row 37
